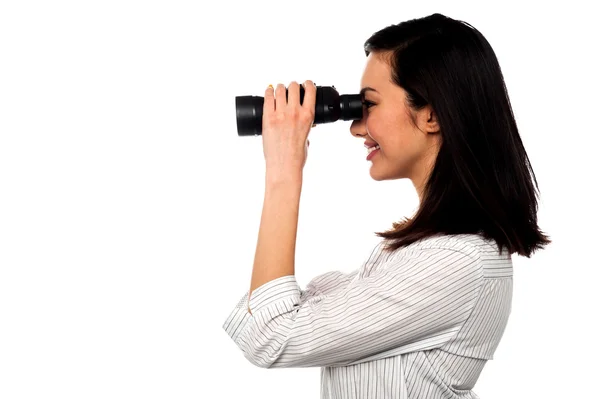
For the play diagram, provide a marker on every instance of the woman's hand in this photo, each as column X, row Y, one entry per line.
column 285, row 128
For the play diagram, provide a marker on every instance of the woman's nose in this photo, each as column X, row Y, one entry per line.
column 358, row 128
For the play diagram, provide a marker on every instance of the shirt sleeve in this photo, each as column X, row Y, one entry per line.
column 322, row 284
column 417, row 302
column 327, row 283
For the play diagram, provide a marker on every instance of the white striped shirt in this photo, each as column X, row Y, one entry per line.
column 420, row 322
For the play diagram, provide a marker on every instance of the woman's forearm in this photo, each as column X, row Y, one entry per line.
column 276, row 246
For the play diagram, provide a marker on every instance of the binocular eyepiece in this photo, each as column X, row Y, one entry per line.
column 329, row 107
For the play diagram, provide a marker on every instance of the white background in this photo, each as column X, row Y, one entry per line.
column 129, row 207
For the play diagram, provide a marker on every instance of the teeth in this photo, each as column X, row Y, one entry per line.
column 370, row 150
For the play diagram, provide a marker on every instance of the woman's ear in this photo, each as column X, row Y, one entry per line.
column 429, row 122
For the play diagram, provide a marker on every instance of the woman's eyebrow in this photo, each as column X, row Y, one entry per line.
column 365, row 89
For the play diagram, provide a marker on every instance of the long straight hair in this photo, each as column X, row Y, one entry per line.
column 482, row 181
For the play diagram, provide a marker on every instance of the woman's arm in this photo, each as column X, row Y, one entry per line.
column 276, row 247
column 419, row 302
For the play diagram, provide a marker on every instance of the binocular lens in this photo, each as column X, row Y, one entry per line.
column 330, row 106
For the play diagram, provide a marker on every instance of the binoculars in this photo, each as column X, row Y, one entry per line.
column 330, row 106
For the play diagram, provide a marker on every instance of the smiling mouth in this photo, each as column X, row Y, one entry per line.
column 372, row 153
column 374, row 148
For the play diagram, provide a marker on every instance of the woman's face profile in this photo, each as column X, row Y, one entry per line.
column 406, row 150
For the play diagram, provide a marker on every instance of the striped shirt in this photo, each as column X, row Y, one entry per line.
column 420, row 322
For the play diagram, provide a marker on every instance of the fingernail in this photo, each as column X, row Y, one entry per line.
column 270, row 86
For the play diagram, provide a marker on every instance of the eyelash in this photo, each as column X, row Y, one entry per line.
column 368, row 104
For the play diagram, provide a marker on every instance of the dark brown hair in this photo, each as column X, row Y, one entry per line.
column 482, row 181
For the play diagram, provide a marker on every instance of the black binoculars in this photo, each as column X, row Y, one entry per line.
column 329, row 107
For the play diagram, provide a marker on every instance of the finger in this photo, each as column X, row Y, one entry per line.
column 310, row 95
column 269, row 104
column 293, row 94
column 280, row 101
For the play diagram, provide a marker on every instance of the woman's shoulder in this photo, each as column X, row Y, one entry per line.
column 488, row 258
column 475, row 245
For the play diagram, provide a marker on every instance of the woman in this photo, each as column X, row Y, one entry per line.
column 427, row 309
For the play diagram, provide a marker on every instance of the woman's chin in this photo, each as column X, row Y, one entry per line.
column 375, row 175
